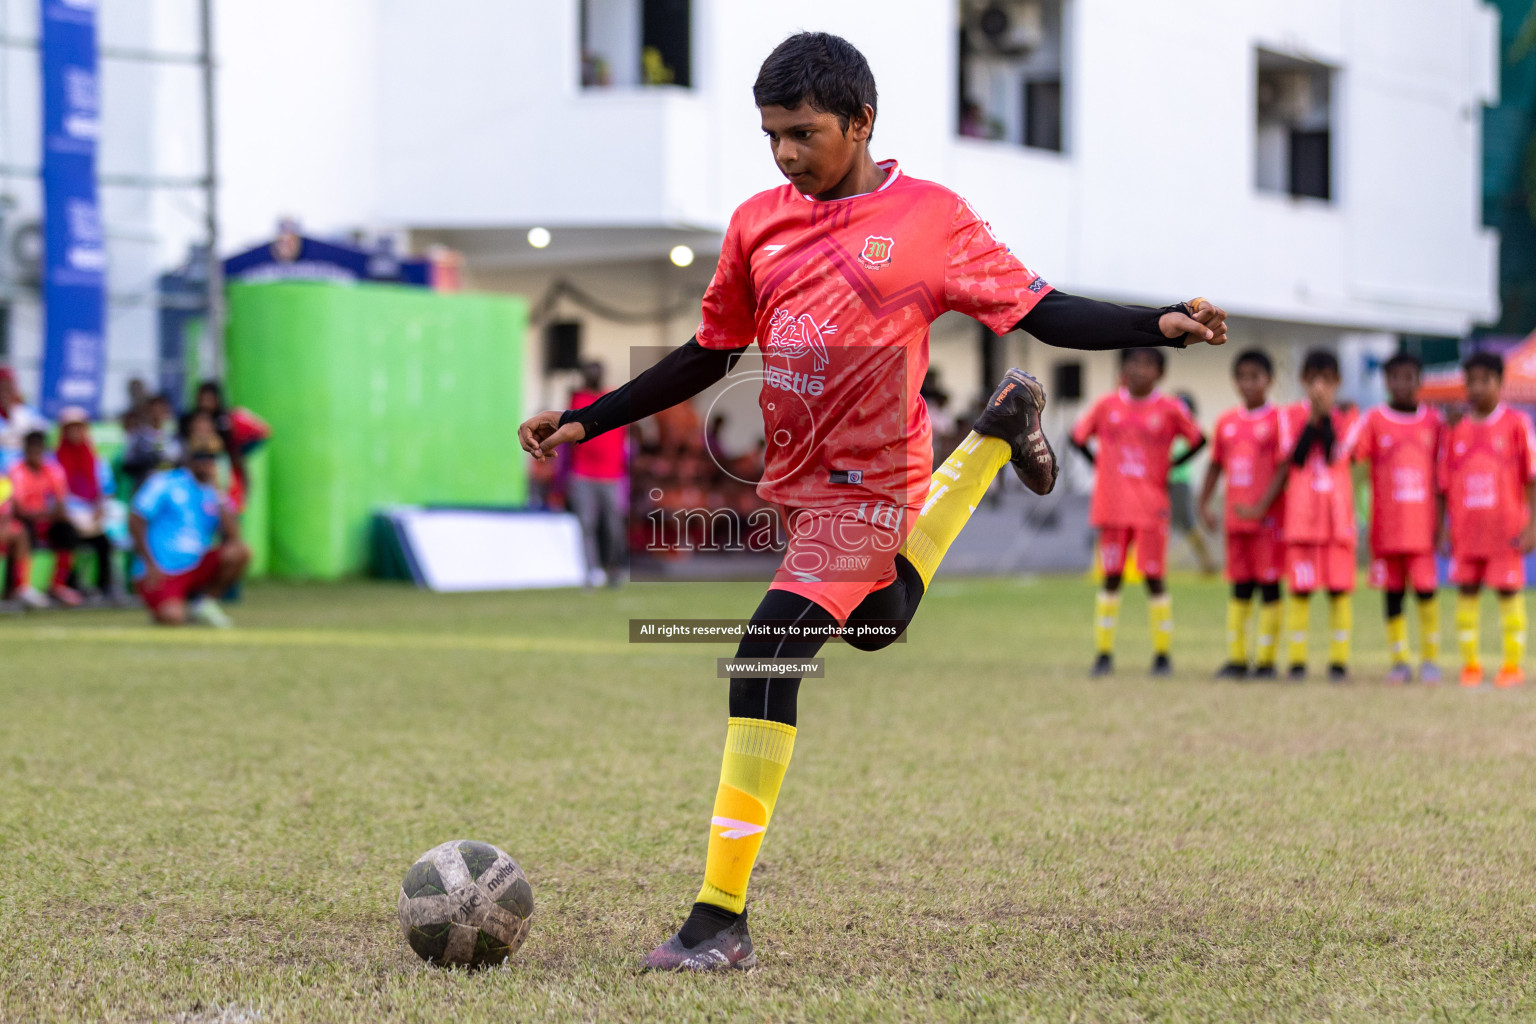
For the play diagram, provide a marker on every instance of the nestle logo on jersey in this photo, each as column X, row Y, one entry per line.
column 793, row 336
column 789, row 380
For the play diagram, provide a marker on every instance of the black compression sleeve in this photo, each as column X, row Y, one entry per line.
column 677, row 377
column 1071, row 321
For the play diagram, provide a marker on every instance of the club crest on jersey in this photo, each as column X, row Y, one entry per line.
column 877, row 252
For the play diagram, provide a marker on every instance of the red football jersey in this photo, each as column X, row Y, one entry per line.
column 1485, row 465
column 1319, row 496
column 1246, row 446
column 1135, row 434
column 1401, row 448
column 839, row 296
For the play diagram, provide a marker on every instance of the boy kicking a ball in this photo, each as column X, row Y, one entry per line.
column 1489, row 478
column 837, row 276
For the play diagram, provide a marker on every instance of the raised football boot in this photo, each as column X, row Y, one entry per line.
column 1013, row 414
column 728, row 949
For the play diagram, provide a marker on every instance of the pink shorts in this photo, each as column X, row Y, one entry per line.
column 1310, row 567
column 1505, row 571
column 836, row 556
column 1256, row 557
column 1399, row 572
column 1150, row 542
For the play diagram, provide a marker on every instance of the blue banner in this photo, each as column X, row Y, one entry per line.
column 75, row 254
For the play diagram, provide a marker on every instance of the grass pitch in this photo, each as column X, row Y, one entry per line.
column 212, row 827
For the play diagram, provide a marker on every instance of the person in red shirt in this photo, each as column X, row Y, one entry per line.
column 1246, row 449
column 1135, row 428
column 1400, row 441
column 596, row 488
column 837, row 276
column 40, row 499
column 1319, row 513
column 1489, row 478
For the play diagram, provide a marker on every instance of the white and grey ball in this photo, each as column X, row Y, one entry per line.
column 465, row 904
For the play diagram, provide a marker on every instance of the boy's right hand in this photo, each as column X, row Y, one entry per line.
column 540, row 435
column 1208, row 519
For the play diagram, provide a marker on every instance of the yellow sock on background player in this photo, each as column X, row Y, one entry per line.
column 1512, row 627
column 1467, row 630
column 1296, row 610
column 1160, row 618
column 1341, row 624
column 1429, row 630
column 1238, row 612
column 1267, row 645
column 1106, row 617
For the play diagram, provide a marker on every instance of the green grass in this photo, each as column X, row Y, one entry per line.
column 212, row 827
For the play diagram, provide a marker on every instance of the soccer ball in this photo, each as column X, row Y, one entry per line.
column 465, row 904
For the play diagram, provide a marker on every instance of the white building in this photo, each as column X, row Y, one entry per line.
column 1312, row 165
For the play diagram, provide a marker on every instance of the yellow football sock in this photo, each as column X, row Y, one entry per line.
column 1467, row 628
column 1429, row 629
column 1269, row 633
column 1512, row 625
column 1296, row 608
column 954, row 492
column 1106, row 616
column 1238, row 611
column 1397, row 639
column 1160, row 614
column 756, row 757
column 1341, row 622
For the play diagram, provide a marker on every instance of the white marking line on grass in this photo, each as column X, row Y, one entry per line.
column 320, row 638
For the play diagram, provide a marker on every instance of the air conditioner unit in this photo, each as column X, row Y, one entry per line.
column 1009, row 28
column 21, row 254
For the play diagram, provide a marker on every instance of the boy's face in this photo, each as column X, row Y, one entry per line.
column 1403, row 386
column 1141, row 374
column 811, row 148
column 1483, row 388
column 1252, row 383
column 33, row 453
column 1322, row 388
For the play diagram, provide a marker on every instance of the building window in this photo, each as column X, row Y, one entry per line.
column 1011, row 72
column 628, row 43
column 1294, row 138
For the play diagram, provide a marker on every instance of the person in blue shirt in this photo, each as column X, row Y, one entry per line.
column 187, row 538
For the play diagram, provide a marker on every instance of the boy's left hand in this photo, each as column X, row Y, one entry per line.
column 1528, row 538
column 1208, row 323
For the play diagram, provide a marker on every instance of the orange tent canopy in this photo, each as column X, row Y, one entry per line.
column 1519, row 379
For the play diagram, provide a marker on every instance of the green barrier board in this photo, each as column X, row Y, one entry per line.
column 377, row 395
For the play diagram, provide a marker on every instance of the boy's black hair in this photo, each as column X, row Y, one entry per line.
column 1258, row 357
column 1490, row 361
column 1154, row 354
column 1403, row 359
column 826, row 71
column 1319, row 360
column 32, row 437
